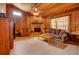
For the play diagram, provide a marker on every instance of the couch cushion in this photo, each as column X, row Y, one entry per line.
column 57, row 31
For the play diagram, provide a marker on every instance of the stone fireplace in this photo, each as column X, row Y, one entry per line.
column 36, row 27
column 36, row 24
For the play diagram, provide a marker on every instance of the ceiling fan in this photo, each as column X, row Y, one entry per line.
column 34, row 11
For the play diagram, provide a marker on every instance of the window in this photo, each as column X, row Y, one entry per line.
column 16, row 13
column 60, row 23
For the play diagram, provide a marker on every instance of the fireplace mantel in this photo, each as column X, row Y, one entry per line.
column 37, row 23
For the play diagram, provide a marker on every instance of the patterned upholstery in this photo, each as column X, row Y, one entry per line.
column 59, row 35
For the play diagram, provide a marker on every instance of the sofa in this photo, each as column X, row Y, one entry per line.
column 59, row 35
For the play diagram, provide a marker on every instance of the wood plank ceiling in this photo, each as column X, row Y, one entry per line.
column 53, row 9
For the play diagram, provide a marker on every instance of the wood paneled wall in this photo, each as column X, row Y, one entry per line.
column 77, row 20
column 20, row 20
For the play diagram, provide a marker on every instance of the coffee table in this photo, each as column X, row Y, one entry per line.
column 47, row 37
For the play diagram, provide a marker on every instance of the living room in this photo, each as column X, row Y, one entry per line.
column 39, row 28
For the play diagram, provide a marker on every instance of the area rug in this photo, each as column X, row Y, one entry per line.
column 59, row 45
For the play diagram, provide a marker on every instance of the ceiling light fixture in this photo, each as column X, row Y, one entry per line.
column 36, row 12
column 36, row 9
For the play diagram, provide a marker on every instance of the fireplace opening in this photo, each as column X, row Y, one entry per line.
column 37, row 29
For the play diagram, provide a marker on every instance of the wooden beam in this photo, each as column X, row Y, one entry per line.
column 46, row 6
column 37, row 5
column 59, row 9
